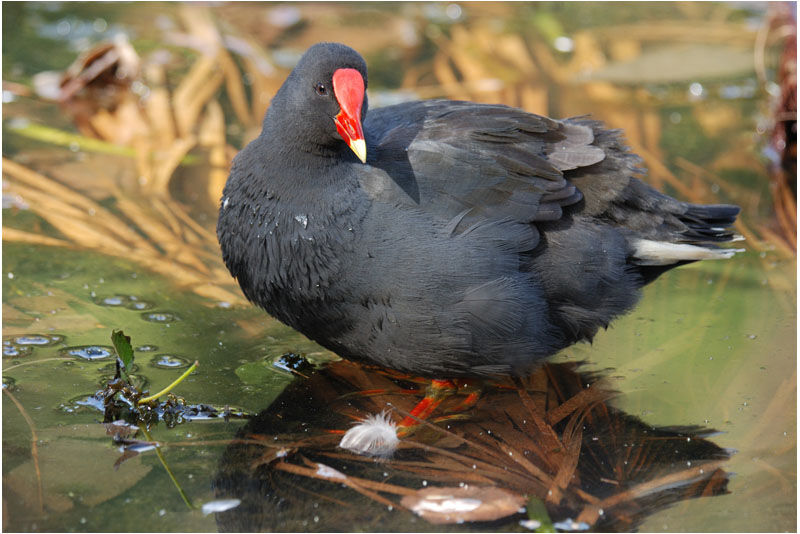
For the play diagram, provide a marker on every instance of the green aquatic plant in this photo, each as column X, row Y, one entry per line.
column 124, row 398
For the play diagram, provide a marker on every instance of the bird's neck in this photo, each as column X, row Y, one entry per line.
column 295, row 143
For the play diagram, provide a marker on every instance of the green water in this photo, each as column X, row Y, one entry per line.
column 711, row 344
column 75, row 455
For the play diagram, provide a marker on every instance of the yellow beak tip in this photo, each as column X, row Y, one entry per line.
column 359, row 146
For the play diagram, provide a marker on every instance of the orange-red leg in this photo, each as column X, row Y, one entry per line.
column 377, row 435
column 438, row 391
column 469, row 401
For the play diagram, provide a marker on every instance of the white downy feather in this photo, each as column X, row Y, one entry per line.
column 374, row 436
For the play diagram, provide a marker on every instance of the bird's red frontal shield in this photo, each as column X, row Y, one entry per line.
column 348, row 88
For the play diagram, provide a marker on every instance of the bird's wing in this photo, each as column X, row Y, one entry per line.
column 478, row 162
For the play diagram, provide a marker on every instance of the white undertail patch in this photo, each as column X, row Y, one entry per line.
column 649, row 252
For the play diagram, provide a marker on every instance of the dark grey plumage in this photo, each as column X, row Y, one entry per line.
column 476, row 239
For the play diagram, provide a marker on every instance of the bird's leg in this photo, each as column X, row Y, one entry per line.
column 438, row 391
column 377, row 435
column 473, row 393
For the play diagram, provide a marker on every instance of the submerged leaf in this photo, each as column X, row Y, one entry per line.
column 466, row 503
column 326, row 471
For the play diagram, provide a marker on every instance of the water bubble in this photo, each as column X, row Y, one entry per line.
column 38, row 339
column 82, row 404
column 89, row 352
column 167, row 361
column 129, row 301
column 146, row 348
column 13, row 351
column 139, row 305
column 159, row 317
column 113, row 301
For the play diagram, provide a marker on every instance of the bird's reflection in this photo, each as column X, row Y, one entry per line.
column 552, row 438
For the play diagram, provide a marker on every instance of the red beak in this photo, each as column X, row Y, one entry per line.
column 348, row 88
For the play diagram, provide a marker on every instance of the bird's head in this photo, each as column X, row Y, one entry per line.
column 325, row 95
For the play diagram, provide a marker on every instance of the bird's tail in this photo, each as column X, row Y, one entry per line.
column 706, row 227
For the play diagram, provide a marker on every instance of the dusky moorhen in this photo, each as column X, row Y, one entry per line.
column 443, row 238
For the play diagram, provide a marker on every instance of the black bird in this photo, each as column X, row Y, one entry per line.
column 445, row 238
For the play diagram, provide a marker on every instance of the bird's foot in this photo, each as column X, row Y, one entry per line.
column 378, row 435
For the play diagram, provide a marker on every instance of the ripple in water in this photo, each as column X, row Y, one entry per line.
column 146, row 348
column 167, row 361
column 160, row 317
column 89, row 352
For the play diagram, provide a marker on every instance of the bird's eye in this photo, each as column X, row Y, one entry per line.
column 321, row 89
